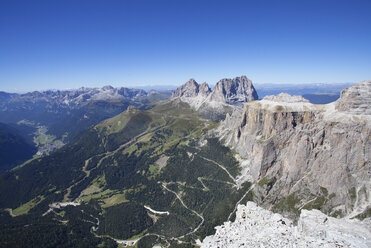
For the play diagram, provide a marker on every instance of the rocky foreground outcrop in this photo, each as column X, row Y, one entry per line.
column 257, row 227
column 305, row 156
column 226, row 93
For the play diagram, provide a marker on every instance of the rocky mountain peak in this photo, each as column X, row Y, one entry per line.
column 234, row 91
column 204, row 89
column 356, row 99
column 189, row 89
column 191, row 81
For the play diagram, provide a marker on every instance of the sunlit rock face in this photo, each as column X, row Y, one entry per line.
column 189, row 89
column 234, row 91
column 303, row 155
column 356, row 99
column 227, row 91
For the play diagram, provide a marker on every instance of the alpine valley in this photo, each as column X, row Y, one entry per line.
column 204, row 167
column 50, row 119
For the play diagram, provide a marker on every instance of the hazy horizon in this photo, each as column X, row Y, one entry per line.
column 161, row 87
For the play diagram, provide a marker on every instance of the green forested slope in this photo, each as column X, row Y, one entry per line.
column 151, row 176
column 14, row 148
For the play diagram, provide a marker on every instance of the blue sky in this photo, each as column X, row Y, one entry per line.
column 68, row 44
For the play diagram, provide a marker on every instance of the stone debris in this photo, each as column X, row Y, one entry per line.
column 257, row 227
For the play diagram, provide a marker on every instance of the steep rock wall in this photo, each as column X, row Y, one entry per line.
column 299, row 158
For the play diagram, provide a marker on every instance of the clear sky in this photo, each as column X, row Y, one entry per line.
column 68, row 44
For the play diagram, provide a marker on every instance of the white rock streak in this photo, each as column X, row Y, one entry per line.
column 156, row 212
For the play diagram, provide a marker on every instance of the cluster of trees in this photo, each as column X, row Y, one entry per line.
column 56, row 171
column 34, row 230
column 125, row 220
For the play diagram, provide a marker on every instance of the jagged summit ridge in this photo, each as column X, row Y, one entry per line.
column 227, row 91
column 73, row 98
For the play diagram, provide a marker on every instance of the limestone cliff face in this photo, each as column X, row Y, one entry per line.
column 356, row 100
column 302, row 155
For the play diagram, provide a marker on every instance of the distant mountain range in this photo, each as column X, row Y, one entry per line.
column 69, row 112
column 53, row 118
